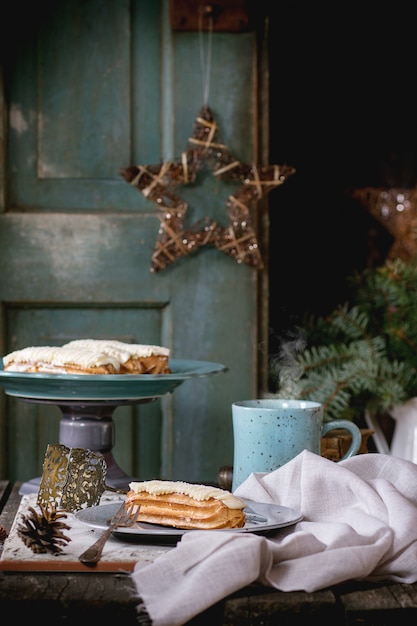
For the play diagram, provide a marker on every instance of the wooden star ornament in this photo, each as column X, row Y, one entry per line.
column 158, row 183
column 396, row 210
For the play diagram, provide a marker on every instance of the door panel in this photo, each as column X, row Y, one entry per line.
column 69, row 86
column 97, row 87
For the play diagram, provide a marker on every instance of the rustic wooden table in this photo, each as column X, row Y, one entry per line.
column 86, row 597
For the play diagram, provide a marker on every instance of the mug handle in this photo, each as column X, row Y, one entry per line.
column 354, row 431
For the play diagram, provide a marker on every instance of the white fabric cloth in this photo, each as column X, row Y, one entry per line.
column 359, row 522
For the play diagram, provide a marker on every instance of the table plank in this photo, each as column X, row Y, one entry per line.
column 5, row 487
column 272, row 607
column 360, row 599
column 10, row 505
column 79, row 598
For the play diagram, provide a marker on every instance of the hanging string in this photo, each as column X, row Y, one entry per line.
column 205, row 62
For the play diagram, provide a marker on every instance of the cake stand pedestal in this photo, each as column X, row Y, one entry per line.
column 89, row 425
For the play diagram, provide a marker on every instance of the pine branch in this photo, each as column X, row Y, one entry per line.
column 361, row 356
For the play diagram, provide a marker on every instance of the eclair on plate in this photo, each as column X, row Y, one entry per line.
column 185, row 505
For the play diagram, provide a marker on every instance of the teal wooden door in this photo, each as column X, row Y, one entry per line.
column 94, row 87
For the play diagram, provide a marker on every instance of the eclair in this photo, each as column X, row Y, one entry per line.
column 134, row 358
column 185, row 505
column 60, row 360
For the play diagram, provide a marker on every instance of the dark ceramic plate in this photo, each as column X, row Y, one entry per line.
column 261, row 518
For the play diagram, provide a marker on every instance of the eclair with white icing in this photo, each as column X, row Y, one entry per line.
column 134, row 358
column 185, row 505
column 60, row 360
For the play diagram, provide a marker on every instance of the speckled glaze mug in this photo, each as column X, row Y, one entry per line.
column 268, row 433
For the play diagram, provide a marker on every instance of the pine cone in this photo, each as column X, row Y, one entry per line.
column 42, row 532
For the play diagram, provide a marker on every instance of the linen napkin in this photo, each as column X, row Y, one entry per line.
column 359, row 523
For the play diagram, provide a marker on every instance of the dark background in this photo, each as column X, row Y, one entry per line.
column 343, row 113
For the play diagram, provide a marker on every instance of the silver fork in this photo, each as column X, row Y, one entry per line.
column 122, row 517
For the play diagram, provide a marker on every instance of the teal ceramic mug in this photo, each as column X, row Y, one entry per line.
column 267, row 433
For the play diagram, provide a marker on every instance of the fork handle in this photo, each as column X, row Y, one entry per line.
column 93, row 553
